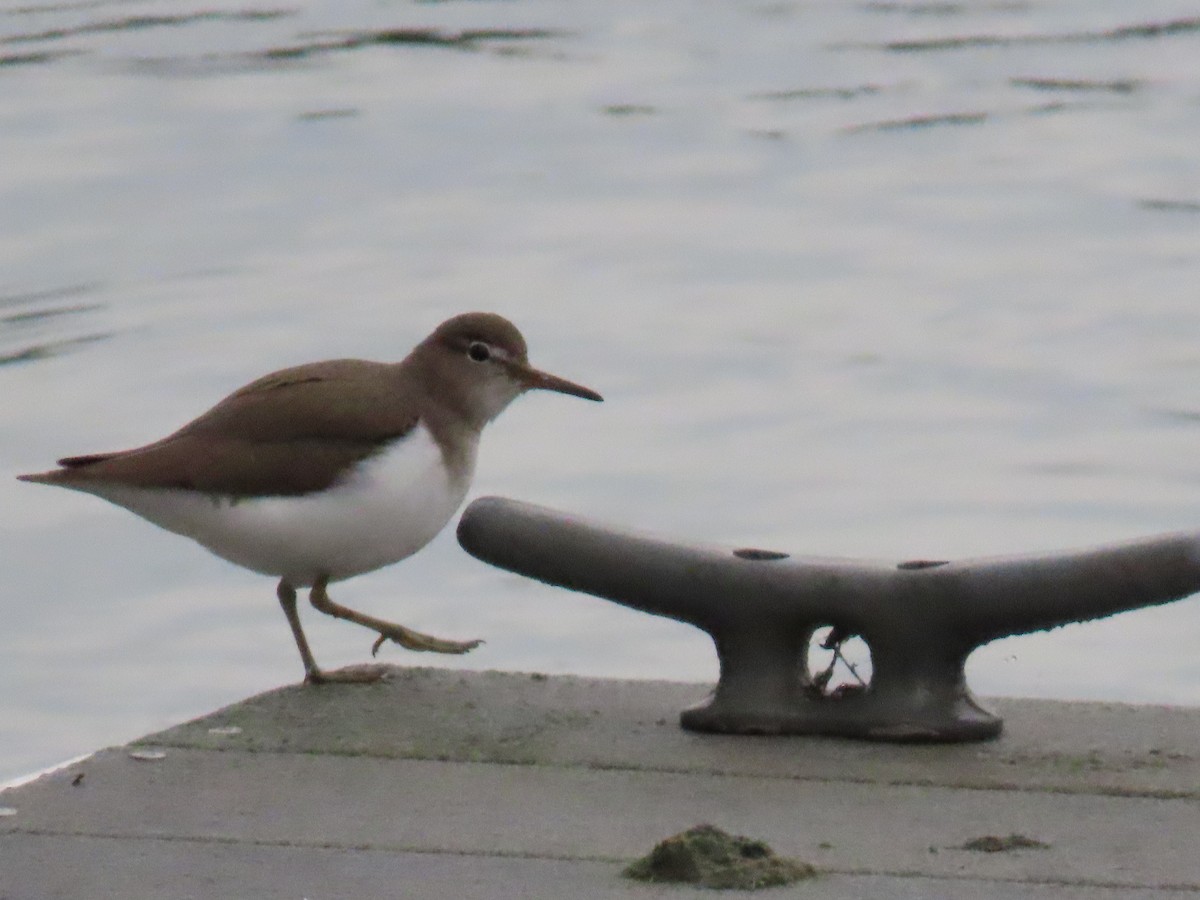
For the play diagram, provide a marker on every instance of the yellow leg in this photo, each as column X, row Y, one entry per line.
column 313, row 674
column 388, row 631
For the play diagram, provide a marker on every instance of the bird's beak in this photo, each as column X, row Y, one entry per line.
column 537, row 380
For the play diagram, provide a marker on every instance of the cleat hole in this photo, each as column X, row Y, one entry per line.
column 753, row 553
column 922, row 564
column 837, row 663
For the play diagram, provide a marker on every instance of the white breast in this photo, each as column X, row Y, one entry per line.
column 388, row 508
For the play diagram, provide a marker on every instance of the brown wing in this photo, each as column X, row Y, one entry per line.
column 289, row 433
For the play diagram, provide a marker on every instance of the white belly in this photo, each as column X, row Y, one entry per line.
column 390, row 507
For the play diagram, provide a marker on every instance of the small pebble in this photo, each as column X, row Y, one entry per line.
column 148, row 755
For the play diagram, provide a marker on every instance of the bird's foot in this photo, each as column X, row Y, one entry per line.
column 360, row 674
column 415, row 640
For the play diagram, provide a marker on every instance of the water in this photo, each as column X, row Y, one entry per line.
column 868, row 279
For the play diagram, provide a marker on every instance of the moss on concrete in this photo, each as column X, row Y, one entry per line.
column 994, row 843
column 708, row 857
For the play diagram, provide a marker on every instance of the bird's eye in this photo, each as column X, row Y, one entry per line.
column 479, row 351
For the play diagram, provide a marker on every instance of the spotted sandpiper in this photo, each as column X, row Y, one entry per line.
column 324, row 471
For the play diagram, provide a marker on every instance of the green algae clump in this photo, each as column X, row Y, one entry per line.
column 991, row 843
column 708, row 857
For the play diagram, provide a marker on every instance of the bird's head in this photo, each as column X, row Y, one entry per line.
column 483, row 359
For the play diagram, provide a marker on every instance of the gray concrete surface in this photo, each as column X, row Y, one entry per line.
column 494, row 785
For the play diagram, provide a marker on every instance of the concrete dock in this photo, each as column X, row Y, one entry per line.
column 445, row 784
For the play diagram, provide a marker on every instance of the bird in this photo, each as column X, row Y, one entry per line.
column 320, row 472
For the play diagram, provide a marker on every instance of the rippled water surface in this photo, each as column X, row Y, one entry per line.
column 881, row 279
